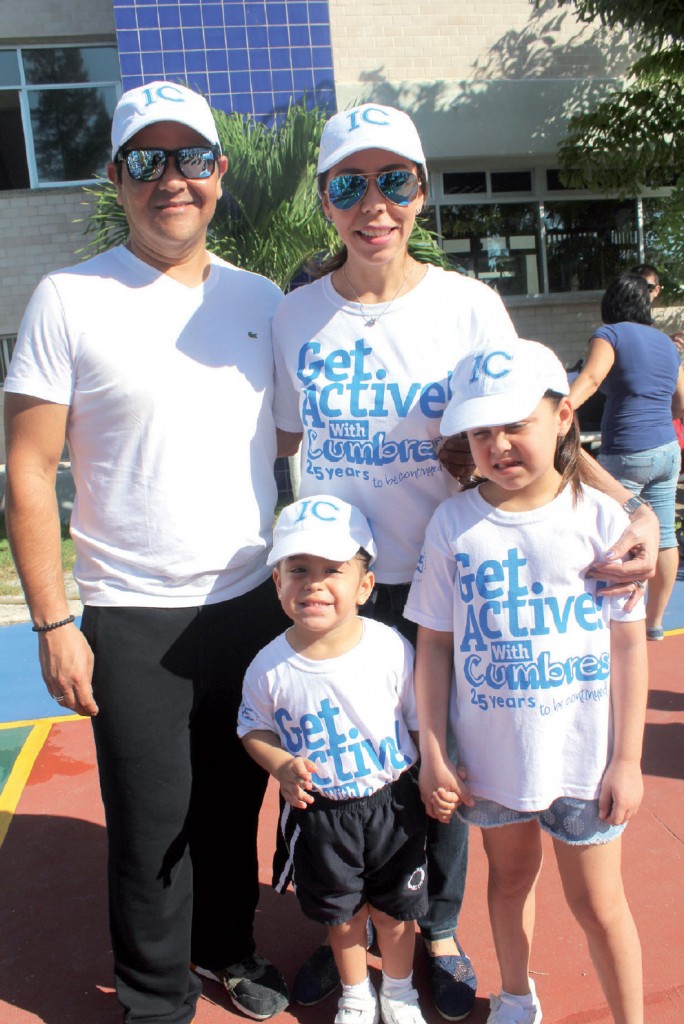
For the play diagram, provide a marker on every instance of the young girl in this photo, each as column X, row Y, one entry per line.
column 550, row 678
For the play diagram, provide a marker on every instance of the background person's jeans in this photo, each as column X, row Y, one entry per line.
column 653, row 475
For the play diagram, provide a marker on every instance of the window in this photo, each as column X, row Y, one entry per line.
column 7, row 342
column 56, row 106
column 548, row 243
column 496, row 242
column 588, row 243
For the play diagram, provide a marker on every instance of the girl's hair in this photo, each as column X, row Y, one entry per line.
column 568, row 453
column 336, row 259
column 627, row 298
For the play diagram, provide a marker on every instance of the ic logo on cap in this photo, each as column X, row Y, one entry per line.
column 365, row 115
column 163, row 92
column 485, row 366
column 314, row 508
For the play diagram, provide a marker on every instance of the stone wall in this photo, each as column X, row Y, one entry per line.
column 40, row 232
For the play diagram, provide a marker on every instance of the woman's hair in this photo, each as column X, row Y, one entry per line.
column 336, row 259
column 627, row 298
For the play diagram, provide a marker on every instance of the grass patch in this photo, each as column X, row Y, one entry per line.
column 9, row 581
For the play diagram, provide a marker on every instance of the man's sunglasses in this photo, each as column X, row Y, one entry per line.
column 346, row 190
column 148, row 164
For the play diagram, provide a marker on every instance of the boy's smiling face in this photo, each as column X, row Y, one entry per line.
column 320, row 595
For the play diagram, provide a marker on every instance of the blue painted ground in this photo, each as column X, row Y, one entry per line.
column 24, row 697
column 23, row 694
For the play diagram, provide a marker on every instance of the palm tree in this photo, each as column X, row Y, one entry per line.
column 269, row 220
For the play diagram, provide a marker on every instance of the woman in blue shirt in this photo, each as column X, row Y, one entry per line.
column 637, row 367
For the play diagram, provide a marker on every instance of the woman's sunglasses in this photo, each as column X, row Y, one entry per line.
column 148, row 164
column 346, row 190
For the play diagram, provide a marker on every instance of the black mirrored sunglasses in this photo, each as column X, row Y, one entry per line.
column 148, row 164
column 399, row 187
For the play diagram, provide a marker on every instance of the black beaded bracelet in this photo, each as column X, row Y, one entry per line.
column 53, row 625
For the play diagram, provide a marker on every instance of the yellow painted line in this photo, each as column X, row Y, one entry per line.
column 18, row 777
column 57, row 720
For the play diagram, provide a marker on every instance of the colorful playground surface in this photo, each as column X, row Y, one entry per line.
column 55, row 960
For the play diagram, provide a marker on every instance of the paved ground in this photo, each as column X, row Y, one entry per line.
column 55, row 962
column 13, row 609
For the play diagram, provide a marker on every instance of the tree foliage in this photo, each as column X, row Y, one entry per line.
column 269, row 220
column 652, row 22
column 633, row 139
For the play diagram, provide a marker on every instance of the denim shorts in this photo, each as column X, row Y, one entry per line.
column 653, row 475
column 572, row 821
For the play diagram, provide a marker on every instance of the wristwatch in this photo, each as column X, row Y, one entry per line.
column 633, row 504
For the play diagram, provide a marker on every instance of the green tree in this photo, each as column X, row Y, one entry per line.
column 634, row 138
column 270, row 220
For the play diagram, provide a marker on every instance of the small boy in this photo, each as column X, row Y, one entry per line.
column 328, row 709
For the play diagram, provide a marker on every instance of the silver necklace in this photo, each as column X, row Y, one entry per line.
column 368, row 320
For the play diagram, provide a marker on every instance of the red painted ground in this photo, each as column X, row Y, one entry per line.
column 54, row 957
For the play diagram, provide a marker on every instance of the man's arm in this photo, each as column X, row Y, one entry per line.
column 678, row 397
column 35, row 432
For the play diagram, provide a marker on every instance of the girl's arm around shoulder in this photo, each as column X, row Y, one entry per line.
column 622, row 787
column 293, row 774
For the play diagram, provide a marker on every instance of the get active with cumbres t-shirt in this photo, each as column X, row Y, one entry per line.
column 370, row 398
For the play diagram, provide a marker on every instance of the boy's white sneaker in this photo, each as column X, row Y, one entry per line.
column 401, row 1011
column 508, row 1009
column 358, row 1010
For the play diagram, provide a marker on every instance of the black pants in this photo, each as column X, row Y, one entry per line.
column 447, row 844
column 181, row 796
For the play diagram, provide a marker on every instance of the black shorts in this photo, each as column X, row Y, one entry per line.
column 343, row 854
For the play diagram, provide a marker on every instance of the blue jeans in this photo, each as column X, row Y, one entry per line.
column 653, row 475
column 447, row 845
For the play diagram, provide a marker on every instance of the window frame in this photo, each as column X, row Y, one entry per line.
column 538, row 196
column 25, row 89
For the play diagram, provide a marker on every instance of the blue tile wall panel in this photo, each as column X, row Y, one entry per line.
column 252, row 56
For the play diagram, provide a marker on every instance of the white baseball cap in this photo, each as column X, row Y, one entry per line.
column 161, row 101
column 370, row 126
column 501, row 382
column 324, row 526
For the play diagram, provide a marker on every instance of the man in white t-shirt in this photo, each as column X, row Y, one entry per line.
column 154, row 362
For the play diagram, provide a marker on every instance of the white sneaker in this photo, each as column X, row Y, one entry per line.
column 401, row 1011
column 358, row 1010
column 507, row 1009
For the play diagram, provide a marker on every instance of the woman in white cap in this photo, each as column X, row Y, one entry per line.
column 363, row 360
column 363, row 357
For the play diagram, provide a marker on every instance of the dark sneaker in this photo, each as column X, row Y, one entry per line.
column 318, row 976
column 453, row 984
column 255, row 986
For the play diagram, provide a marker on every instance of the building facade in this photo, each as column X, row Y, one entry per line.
column 491, row 87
